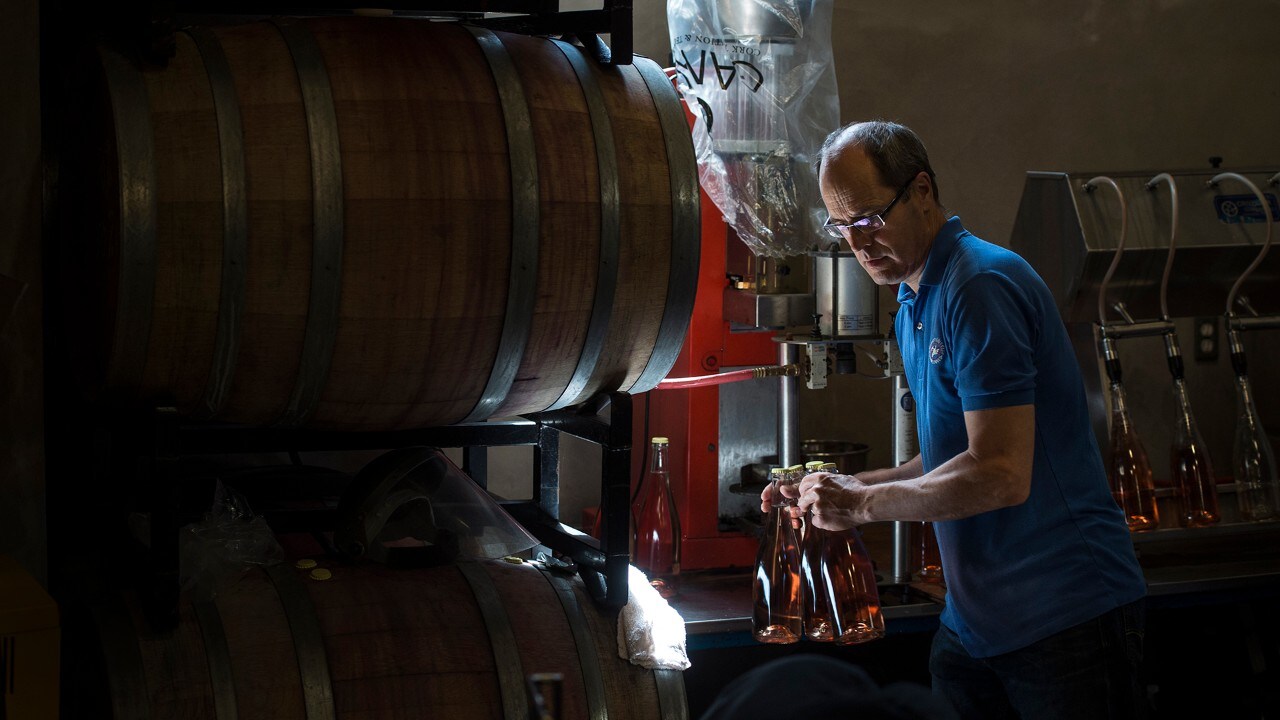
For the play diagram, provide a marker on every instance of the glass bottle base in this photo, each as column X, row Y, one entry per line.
column 1255, row 502
column 776, row 635
column 665, row 588
column 819, row 630
column 930, row 574
column 1203, row 518
column 860, row 635
column 1140, row 523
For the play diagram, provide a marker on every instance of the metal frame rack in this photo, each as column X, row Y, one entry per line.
column 148, row 25
column 164, row 438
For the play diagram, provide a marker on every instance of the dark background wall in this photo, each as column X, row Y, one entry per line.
column 22, row 497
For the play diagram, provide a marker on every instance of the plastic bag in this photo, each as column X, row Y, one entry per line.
column 216, row 551
column 759, row 77
column 414, row 507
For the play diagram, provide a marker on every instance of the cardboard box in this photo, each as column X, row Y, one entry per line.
column 29, row 638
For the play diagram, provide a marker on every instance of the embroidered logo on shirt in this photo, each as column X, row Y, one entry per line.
column 936, row 351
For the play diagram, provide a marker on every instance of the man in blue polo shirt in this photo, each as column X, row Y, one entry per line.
column 1044, row 594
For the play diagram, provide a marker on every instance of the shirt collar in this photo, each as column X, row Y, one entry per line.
column 944, row 243
column 940, row 252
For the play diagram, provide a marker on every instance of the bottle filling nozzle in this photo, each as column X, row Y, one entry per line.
column 1115, row 261
column 1173, row 238
column 1266, row 245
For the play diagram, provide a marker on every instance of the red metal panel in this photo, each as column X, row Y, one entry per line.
column 691, row 418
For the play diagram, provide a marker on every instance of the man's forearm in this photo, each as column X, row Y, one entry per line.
column 961, row 487
column 913, row 468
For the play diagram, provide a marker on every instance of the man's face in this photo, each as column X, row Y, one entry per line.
column 851, row 189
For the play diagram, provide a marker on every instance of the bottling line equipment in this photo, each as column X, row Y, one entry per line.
column 1192, row 284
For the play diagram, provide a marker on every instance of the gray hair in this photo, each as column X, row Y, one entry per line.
column 895, row 150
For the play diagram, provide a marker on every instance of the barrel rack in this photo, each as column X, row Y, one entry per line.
column 112, row 454
column 149, row 25
column 157, row 445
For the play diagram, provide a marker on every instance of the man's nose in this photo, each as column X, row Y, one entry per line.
column 857, row 241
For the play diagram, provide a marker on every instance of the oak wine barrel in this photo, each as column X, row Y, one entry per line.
column 375, row 223
column 374, row 642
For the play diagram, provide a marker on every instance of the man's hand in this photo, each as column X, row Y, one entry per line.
column 788, row 490
column 766, row 499
column 833, row 502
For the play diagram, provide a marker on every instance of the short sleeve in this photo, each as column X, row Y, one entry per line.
column 994, row 333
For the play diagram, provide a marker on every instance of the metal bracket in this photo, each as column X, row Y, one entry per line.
column 164, row 438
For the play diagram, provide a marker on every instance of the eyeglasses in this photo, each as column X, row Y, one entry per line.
column 866, row 223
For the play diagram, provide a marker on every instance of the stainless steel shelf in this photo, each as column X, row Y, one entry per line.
column 1211, row 531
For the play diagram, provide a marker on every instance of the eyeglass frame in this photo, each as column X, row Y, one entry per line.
column 866, row 223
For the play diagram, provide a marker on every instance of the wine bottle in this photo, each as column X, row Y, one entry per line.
column 848, row 609
column 1257, row 490
column 776, row 594
column 817, row 599
column 657, row 546
column 1128, row 471
column 930, row 557
column 1194, row 484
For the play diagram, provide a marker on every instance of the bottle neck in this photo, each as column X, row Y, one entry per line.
column 778, row 501
column 1185, row 420
column 1245, row 392
column 1119, row 406
column 658, row 458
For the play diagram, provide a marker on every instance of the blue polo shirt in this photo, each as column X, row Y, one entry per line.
column 983, row 332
